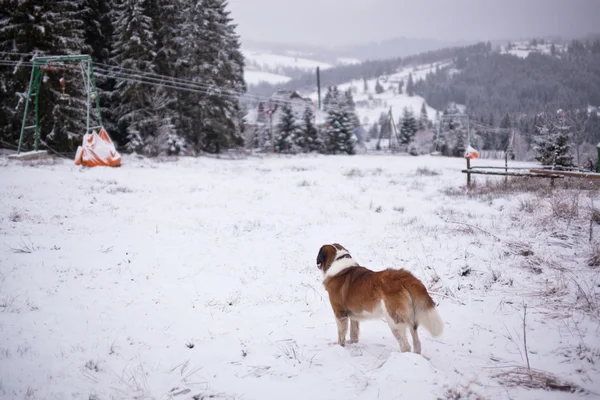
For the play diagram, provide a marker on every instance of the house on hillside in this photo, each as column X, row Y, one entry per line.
column 260, row 118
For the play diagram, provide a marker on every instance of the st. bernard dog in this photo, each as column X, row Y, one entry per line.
column 357, row 293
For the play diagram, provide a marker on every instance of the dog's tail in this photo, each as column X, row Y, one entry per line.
column 426, row 313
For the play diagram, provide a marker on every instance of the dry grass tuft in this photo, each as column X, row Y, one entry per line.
column 535, row 379
column 426, row 171
column 520, row 248
column 565, row 206
column 119, row 189
column 460, row 393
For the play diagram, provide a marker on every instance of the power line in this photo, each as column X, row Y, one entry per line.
column 170, row 82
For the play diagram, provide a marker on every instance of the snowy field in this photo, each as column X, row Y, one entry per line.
column 196, row 279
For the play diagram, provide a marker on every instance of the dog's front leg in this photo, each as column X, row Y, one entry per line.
column 354, row 331
column 342, row 324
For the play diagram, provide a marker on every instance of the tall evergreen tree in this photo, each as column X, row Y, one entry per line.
column 223, row 68
column 410, row 86
column 424, row 118
column 409, row 127
column 351, row 108
column 46, row 28
column 552, row 141
column 339, row 131
column 134, row 46
column 209, row 54
column 287, row 130
column 378, row 87
column 308, row 132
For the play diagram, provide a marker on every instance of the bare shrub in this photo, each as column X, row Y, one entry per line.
column 8, row 304
column 119, row 189
column 426, row 171
column 399, row 209
column 520, row 248
column 460, row 393
column 527, row 205
column 304, row 184
column 93, row 366
column 15, row 216
column 565, row 206
column 25, row 247
column 536, row 379
column 354, row 173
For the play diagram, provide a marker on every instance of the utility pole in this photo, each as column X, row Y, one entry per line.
column 319, row 85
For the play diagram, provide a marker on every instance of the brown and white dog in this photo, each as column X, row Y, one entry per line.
column 357, row 293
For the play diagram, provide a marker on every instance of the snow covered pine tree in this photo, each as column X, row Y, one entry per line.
column 47, row 28
column 339, row 131
column 287, row 130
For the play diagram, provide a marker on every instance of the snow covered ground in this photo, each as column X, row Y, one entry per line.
column 196, row 278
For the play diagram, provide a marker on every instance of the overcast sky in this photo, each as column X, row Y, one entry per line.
column 336, row 22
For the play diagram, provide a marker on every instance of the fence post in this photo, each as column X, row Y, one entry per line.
column 468, row 172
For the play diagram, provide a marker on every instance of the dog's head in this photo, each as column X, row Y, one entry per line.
column 330, row 253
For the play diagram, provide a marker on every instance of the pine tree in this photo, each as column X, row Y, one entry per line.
column 552, row 141
column 308, row 132
column 424, row 119
column 401, row 86
column 378, row 87
column 209, row 54
column 339, row 131
column 365, row 85
column 287, row 130
column 46, row 28
column 331, row 97
column 410, row 86
column 134, row 49
column 409, row 127
column 351, row 108
column 222, row 67
column 373, row 132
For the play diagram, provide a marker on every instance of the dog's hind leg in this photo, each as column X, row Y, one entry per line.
column 397, row 317
column 415, row 336
column 354, row 331
column 342, row 324
column 399, row 331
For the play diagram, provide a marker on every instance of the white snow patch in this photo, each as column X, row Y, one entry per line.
column 256, row 77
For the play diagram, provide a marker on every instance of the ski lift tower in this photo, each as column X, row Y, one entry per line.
column 51, row 64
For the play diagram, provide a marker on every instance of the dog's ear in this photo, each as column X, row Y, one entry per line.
column 339, row 246
column 325, row 257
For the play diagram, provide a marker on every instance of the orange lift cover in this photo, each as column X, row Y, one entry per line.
column 97, row 150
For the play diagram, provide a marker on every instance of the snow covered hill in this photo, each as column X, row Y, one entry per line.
column 370, row 105
column 277, row 67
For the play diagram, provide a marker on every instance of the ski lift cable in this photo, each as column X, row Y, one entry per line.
column 181, row 85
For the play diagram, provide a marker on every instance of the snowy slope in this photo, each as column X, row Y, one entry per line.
column 270, row 67
column 370, row 105
column 197, row 279
column 256, row 77
column 272, row 61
